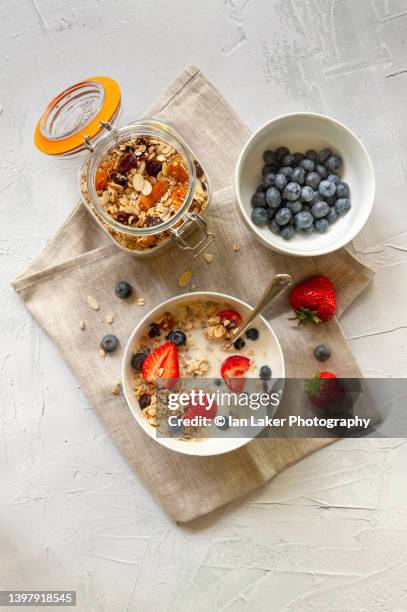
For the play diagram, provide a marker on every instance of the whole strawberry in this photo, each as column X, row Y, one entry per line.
column 314, row 300
column 324, row 389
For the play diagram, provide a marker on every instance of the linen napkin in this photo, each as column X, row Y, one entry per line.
column 81, row 260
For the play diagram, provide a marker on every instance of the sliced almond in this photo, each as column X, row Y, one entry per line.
column 82, row 324
column 93, row 303
column 109, row 318
column 184, row 278
column 105, row 198
column 138, row 182
column 208, row 257
column 147, row 188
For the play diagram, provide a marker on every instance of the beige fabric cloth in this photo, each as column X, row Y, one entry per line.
column 80, row 260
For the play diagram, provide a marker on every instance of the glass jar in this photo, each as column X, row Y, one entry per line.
column 166, row 206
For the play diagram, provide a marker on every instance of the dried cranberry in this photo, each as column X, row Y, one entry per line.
column 152, row 221
column 198, row 169
column 153, row 167
column 120, row 179
column 154, row 330
column 123, row 217
column 144, row 401
column 126, row 163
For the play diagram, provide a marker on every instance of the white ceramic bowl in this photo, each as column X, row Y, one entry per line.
column 299, row 132
column 210, row 446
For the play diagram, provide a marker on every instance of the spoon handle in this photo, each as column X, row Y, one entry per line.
column 277, row 284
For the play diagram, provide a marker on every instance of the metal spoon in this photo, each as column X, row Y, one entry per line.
column 278, row 283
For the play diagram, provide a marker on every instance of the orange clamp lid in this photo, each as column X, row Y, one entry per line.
column 75, row 115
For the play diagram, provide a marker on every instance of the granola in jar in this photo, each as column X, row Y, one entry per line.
column 142, row 182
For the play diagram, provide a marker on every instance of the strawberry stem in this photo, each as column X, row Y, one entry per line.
column 305, row 315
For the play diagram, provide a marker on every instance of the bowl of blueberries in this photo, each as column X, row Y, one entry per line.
column 305, row 184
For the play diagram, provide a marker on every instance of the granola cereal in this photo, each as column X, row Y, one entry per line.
column 142, row 183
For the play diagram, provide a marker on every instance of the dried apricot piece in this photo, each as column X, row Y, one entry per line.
column 178, row 195
column 177, row 170
column 101, row 179
column 157, row 192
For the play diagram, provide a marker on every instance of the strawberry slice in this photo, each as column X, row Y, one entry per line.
column 162, row 364
column 233, row 372
column 230, row 315
column 201, row 409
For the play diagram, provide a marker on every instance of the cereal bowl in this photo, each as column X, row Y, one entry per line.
column 300, row 132
column 266, row 345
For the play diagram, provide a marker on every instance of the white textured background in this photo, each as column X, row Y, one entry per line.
column 329, row 534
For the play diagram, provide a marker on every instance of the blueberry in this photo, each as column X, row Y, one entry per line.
column 306, row 208
column 259, row 200
column 321, row 225
column 332, row 215
column 265, row 373
column 330, row 201
column 280, row 152
column 287, row 232
column 239, row 344
column 273, row 196
column 218, row 382
column 271, row 213
column 303, row 219
column 327, row 189
column 224, row 425
column 154, row 330
column 307, row 194
column 313, row 180
column 259, row 216
column 283, row 216
column 252, row 333
column 342, row 205
column 269, row 157
column 308, row 230
column 110, row 343
column 295, row 207
column 320, row 209
column 298, row 175
column 292, row 192
column 268, row 181
column 269, row 168
column 322, row 352
column 316, row 197
column 311, row 154
column 123, row 290
column 144, row 401
column 334, row 162
column 323, row 155
column 297, row 157
column 342, row 190
column 177, row 337
column 137, row 361
column 333, row 178
column 322, row 171
column 307, row 164
column 287, row 171
column 274, row 227
column 287, row 159
column 260, row 188
column 280, row 181
column 175, row 429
